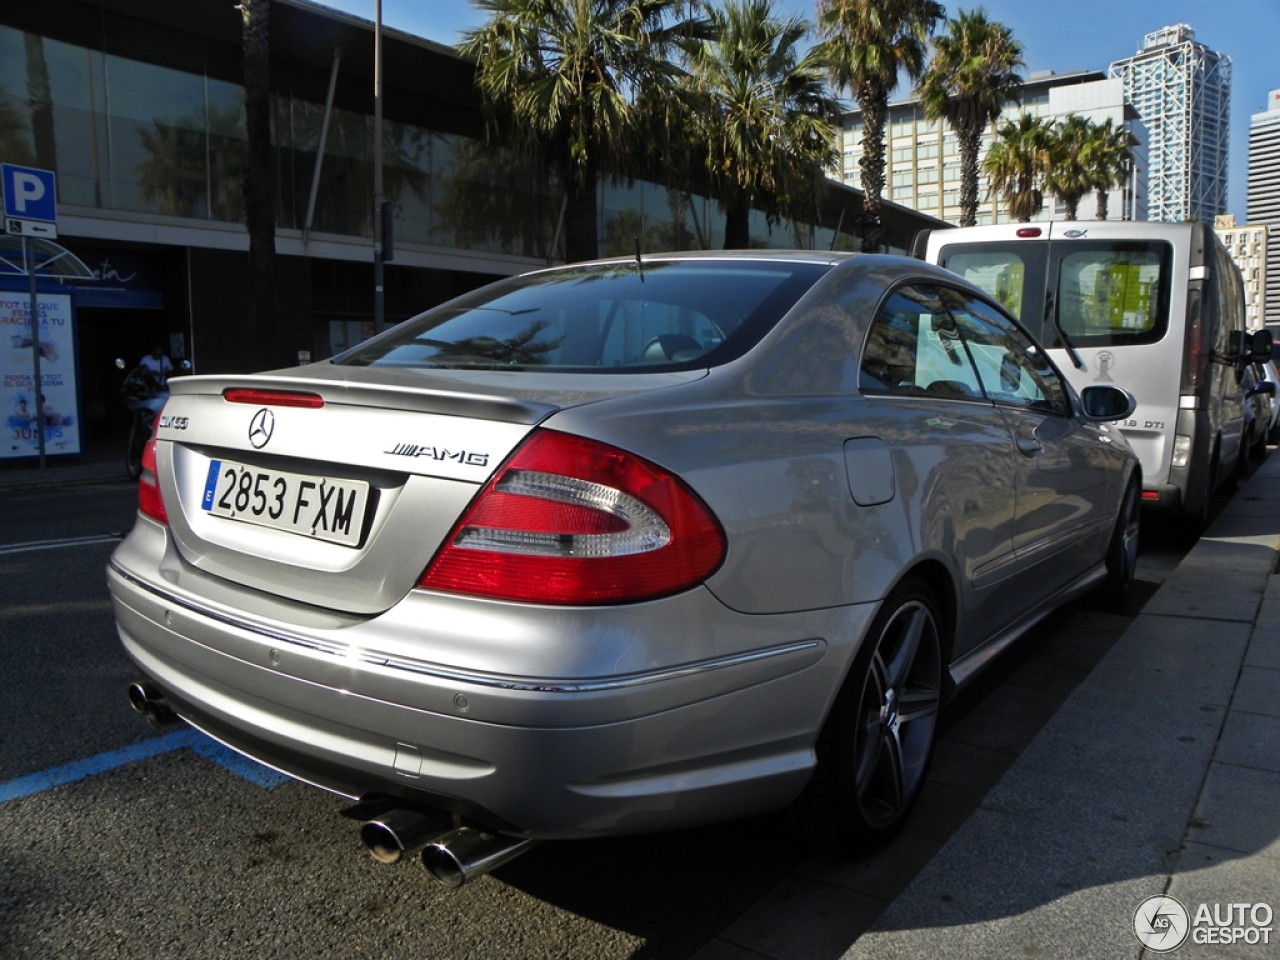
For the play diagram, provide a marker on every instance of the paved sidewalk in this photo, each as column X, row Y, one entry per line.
column 1159, row 774
column 101, row 462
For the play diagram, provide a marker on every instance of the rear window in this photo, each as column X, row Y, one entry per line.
column 1114, row 293
column 665, row 315
column 1105, row 292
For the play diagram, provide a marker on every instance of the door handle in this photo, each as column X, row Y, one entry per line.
column 1030, row 448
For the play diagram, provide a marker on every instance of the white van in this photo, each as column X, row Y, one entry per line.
column 1156, row 308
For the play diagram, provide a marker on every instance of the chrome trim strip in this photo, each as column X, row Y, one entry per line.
column 522, row 684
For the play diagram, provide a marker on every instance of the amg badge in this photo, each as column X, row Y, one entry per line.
column 468, row 458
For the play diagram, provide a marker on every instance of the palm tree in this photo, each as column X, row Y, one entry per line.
column 763, row 113
column 568, row 79
column 1110, row 160
column 1017, row 163
column 1071, row 176
column 869, row 43
column 972, row 73
column 259, row 188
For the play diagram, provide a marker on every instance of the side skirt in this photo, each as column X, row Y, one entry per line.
column 968, row 666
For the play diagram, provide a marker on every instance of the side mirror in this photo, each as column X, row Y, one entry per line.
column 1262, row 343
column 1239, row 349
column 1264, row 386
column 1104, row 403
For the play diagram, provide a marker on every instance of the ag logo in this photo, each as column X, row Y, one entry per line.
column 261, row 427
column 1161, row 924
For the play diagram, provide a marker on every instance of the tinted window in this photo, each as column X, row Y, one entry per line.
column 914, row 349
column 1013, row 369
column 672, row 315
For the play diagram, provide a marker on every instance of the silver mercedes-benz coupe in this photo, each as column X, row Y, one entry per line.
column 622, row 546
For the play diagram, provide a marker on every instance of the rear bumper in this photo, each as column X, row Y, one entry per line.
column 673, row 746
column 1164, row 497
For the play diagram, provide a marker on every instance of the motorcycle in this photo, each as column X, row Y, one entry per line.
column 144, row 396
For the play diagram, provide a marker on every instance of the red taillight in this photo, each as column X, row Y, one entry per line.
column 1150, row 495
column 273, row 398
column 150, row 502
column 1028, row 232
column 574, row 521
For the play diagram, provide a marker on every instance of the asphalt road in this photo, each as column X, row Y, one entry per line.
column 191, row 853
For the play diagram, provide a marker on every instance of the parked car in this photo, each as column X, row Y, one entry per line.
column 1260, row 410
column 1267, row 372
column 1157, row 307
column 620, row 547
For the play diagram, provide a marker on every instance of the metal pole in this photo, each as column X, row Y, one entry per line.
column 324, row 139
column 29, row 259
column 379, row 317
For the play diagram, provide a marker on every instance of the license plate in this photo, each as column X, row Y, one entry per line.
column 319, row 507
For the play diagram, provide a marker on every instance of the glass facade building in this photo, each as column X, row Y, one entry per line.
column 139, row 108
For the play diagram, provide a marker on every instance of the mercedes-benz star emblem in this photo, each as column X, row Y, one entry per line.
column 261, row 427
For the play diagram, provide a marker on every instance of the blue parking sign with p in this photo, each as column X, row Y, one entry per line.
column 29, row 194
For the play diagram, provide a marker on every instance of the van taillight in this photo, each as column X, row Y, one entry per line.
column 1193, row 355
column 573, row 521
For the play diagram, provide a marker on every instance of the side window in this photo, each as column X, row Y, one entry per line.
column 1012, row 368
column 914, row 349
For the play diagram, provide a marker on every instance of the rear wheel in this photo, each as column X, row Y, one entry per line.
column 874, row 750
column 1122, row 553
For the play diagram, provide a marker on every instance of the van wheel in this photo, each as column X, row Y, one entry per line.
column 874, row 750
column 1122, row 553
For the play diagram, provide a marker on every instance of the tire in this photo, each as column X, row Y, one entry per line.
column 139, row 433
column 1122, row 551
column 873, row 755
column 1189, row 526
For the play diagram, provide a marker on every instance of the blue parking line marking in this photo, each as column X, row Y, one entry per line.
column 191, row 739
column 239, row 764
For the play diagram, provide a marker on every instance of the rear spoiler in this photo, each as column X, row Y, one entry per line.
column 425, row 399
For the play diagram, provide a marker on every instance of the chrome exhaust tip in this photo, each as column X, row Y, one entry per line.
column 466, row 853
column 148, row 701
column 400, row 834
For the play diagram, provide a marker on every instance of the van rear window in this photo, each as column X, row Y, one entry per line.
column 1105, row 292
column 1114, row 293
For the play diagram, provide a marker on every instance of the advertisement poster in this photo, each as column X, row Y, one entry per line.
column 57, row 375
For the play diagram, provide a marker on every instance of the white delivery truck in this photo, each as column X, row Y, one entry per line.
column 1155, row 308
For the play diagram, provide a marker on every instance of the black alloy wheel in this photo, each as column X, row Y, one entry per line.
column 874, row 750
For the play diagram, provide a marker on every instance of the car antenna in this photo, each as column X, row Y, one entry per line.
column 639, row 262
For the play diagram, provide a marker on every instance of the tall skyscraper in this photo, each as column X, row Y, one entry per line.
column 1182, row 91
column 1263, row 203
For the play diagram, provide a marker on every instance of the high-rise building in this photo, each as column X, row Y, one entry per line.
column 922, row 156
column 1263, row 203
column 1182, row 91
column 1247, row 244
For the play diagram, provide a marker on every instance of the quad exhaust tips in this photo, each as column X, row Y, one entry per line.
column 400, row 834
column 466, row 853
column 451, row 855
column 150, row 702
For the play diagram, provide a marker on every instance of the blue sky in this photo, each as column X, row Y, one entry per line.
column 1058, row 35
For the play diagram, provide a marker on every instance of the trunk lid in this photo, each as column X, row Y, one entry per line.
column 342, row 503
